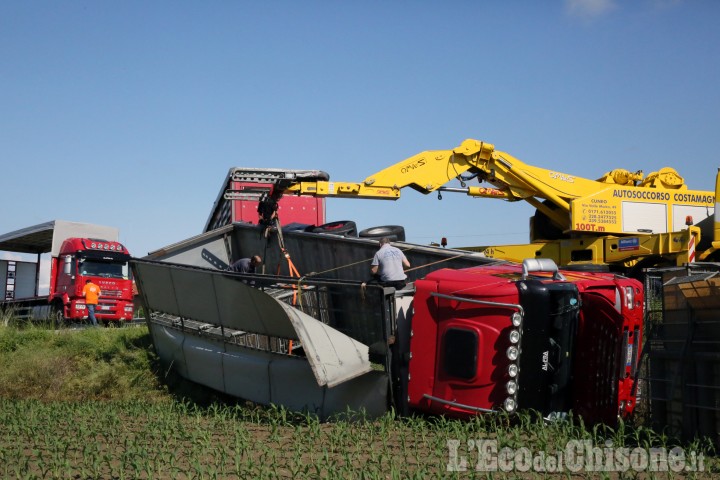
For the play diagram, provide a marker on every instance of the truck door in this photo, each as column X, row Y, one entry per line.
column 67, row 270
column 458, row 345
column 471, row 356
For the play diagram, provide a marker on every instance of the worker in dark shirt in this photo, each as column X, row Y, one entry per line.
column 246, row 265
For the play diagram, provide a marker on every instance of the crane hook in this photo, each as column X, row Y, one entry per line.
column 439, row 195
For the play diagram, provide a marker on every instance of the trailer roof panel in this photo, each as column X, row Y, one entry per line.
column 35, row 239
column 48, row 236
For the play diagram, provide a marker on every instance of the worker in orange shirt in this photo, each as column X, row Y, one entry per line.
column 91, row 292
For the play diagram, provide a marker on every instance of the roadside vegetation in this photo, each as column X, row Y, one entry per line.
column 95, row 403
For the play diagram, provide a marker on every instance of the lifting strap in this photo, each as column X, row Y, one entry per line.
column 292, row 271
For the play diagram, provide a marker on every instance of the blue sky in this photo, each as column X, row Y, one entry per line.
column 131, row 113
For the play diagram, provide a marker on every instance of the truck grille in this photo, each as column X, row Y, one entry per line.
column 608, row 351
column 599, row 360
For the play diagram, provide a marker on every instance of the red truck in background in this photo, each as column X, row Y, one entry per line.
column 78, row 252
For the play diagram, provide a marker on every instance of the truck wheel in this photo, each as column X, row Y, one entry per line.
column 396, row 233
column 345, row 228
column 58, row 317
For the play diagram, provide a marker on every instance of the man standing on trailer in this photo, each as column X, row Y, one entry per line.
column 388, row 264
column 91, row 292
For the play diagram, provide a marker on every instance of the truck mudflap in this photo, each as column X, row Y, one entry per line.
column 202, row 322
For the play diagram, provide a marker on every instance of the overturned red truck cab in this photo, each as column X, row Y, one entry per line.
column 508, row 337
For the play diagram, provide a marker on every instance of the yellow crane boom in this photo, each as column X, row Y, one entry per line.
column 659, row 211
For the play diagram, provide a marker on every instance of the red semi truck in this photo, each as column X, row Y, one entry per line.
column 78, row 252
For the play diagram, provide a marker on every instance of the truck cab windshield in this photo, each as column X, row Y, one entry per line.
column 104, row 269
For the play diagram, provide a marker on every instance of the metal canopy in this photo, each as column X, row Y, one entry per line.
column 35, row 239
column 48, row 236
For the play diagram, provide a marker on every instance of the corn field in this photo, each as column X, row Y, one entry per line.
column 181, row 440
column 96, row 404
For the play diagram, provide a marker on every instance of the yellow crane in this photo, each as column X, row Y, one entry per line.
column 622, row 220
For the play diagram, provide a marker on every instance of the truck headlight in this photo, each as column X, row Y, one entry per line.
column 512, row 370
column 516, row 319
column 629, row 298
column 512, row 353
column 510, row 404
column 514, row 336
column 511, row 387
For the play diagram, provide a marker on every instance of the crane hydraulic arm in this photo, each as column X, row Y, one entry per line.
column 430, row 171
column 620, row 202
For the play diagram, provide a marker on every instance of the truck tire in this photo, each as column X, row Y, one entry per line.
column 396, row 233
column 345, row 228
column 57, row 316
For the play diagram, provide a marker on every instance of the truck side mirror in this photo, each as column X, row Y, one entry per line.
column 67, row 266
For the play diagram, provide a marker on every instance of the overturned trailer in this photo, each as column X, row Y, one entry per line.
column 468, row 335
